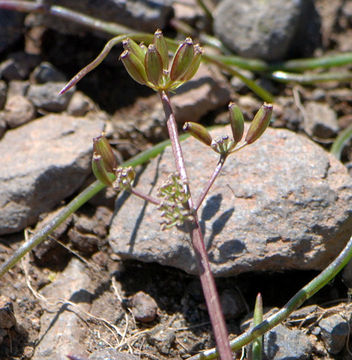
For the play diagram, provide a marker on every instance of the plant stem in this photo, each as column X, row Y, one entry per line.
column 297, row 300
column 74, row 205
column 143, row 196
column 206, row 277
column 210, row 183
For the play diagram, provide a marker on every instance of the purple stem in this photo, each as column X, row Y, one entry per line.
column 210, row 183
column 144, row 196
column 206, row 277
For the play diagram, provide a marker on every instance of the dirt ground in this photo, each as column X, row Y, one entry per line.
column 178, row 296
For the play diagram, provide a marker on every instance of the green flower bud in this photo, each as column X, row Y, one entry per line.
column 100, row 171
column 182, row 60
column 161, row 46
column 134, row 48
column 199, row 132
column 236, row 121
column 259, row 123
column 193, row 67
column 153, row 65
column 102, row 148
column 134, row 67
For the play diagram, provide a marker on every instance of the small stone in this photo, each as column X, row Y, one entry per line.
column 46, row 72
column 144, row 308
column 232, row 304
column 162, row 338
column 46, row 96
column 334, row 332
column 281, row 343
column 18, row 111
column 18, row 66
column 320, row 121
column 2, row 125
column 111, row 354
column 18, row 87
column 3, row 92
column 80, row 104
column 87, row 244
column 7, row 316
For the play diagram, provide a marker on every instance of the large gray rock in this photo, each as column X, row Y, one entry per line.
column 41, row 164
column 265, row 29
column 281, row 203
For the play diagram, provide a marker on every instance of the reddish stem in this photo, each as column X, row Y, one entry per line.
column 206, row 277
column 215, row 174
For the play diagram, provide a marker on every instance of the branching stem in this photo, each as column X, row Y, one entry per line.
column 206, row 277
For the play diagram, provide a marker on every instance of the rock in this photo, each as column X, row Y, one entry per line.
column 7, row 318
column 90, row 230
column 282, row 343
column 163, row 338
column 3, row 92
column 232, row 304
column 11, row 28
column 18, row 111
column 320, row 121
column 205, row 92
column 334, row 332
column 281, row 203
column 42, row 163
column 262, row 29
column 143, row 306
column 139, row 15
column 61, row 329
column 111, row 354
column 46, row 96
column 18, row 87
column 18, row 66
column 80, row 104
column 46, row 72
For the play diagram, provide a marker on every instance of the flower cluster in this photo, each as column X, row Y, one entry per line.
column 174, row 206
column 150, row 65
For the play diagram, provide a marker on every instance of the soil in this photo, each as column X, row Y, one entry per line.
column 180, row 304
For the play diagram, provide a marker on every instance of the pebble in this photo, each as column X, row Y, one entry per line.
column 18, row 111
column 80, row 104
column 46, row 72
column 163, row 338
column 281, row 203
column 46, row 96
column 232, row 304
column 18, row 66
column 29, row 165
column 143, row 306
column 320, row 121
column 262, row 29
column 334, row 331
column 282, row 343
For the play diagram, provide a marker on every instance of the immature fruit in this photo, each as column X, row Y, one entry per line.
column 259, row 123
column 236, row 121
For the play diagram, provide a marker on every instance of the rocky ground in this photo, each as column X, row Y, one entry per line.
column 108, row 284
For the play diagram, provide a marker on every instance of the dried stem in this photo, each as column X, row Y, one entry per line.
column 206, row 277
column 210, row 183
